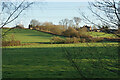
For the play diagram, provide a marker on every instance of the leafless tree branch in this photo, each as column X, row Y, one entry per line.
column 108, row 12
column 15, row 11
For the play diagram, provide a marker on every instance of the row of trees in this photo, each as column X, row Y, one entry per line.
column 108, row 12
column 70, row 23
column 64, row 29
column 68, row 27
column 64, row 22
column 46, row 27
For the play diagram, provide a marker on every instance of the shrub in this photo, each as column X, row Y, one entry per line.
column 75, row 40
column 57, row 40
column 83, row 30
column 83, row 40
column 84, row 36
column 70, row 32
column 67, row 40
column 83, row 33
column 96, row 39
column 5, row 28
column 56, row 30
column 118, row 31
column 11, row 41
column 72, row 40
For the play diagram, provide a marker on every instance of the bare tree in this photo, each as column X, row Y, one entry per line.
column 105, row 12
column 64, row 23
column 34, row 23
column 47, row 24
column 77, row 20
column 11, row 10
column 71, row 23
column 61, row 22
column 68, row 56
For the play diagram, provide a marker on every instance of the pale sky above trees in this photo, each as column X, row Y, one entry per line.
column 50, row 12
column 53, row 11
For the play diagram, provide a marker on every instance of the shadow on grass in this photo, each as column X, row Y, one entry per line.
column 40, row 35
column 52, row 62
column 38, row 42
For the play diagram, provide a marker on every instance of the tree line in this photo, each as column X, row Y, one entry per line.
column 66, row 27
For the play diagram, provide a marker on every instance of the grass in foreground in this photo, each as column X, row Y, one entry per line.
column 51, row 62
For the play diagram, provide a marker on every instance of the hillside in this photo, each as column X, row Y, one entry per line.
column 27, row 35
column 34, row 36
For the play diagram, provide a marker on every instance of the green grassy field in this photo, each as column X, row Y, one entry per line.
column 95, row 60
column 102, row 34
column 29, row 36
column 33, row 36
